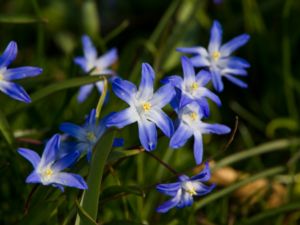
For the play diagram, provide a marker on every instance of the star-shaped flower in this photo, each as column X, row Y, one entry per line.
column 48, row 168
column 100, row 65
column 87, row 135
column 192, row 87
column 218, row 58
column 145, row 107
column 183, row 191
column 190, row 124
column 7, row 75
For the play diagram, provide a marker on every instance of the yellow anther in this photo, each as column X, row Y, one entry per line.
column 216, row 55
column 194, row 116
column 48, row 173
column 91, row 136
column 147, row 106
column 194, row 86
column 1, row 77
column 189, row 188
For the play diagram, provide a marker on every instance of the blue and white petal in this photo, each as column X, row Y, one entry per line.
column 125, row 90
column 215, row 37
column 162, row 121
column 181, row 135
column 234, row 44
column 9, row 54
column 30, row 155
column 122, row 118
column 147, row 134
column 146, row 85
column 14, row 91
column 21, row 72
column 84, row 92
column 69, row 179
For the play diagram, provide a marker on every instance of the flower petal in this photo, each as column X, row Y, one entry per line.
column 70, row 179
column 234, row 44
column 163, row 96
column 91, row 118
column 65, row 161
column 125, row 90
column 185, row 201
column 166, row 206
column 147, row 134
column 199, row 61
column 169, row 189
column 198, row 148
column 215, row 37
column 203, row 77
column 205, row 111
column 73, row 130
column 107, row 59
column 51, row 150
column 212, row 96
column 235, row 71
column 14, row 91
column 174, row 80
column 121, row 119
column 146, row 86
column 82, row 62
column 207, row 128
column 196, row 50
column 9, row 54
column 236, row 81
column 217, row 80
column 34, row 177
column 84, row 92
column 204, row 175
column 237, row 62
column 30, row 155
column 181, row 135
column 89, row 50
column 188, row 70
column 162, row 121
column 202, row 189
column 22, row 72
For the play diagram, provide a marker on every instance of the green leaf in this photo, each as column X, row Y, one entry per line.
column 84, row 216
column 118, row 154
column 90, row 198
column 6, row 130
column 226, row 191
column 123, row 222
column 272, row 146
column 17, row 19
column 272, row 212
column 117, row 191
column 59, row 86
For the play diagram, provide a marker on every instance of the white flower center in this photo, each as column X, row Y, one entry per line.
column 189, row 188
column 1, row 77
column 47, row 174
column 91, row 136
column 146, row 106
column 194, row 86
column 216, row 55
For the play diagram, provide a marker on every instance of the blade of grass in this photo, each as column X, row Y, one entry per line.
column 6, row 130
column 278, row 145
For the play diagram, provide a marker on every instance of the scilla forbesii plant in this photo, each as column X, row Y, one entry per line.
column 188, row 96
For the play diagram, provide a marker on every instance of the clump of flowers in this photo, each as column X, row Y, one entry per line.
column 188, row 96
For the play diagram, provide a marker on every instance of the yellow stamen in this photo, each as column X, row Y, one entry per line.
column 1, row 77
column 194, row 86
column 147, row 106
column 194, row 116
column 189, row 188
column 216, row 55
column 48, row 173
column 91, row 136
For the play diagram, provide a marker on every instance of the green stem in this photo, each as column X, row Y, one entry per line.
column 101, row 99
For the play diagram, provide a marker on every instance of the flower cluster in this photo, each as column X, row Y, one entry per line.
column 187, row 95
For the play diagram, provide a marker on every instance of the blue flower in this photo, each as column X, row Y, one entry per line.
column 48, row 168
column 86, row 135
column 145, row 107
column 184, row 190
column 13, row 90
column 218, row 58
column 190, row 124
column 90, row 61
column 192, row 86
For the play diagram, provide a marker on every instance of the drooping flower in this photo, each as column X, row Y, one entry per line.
column 190, row 124
column 7, row 75
column 218, row 58
column 100, row 65
column 184, row 191
column 192, row 87
column 48, row 168
column 87, row 135
column 145, row 107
